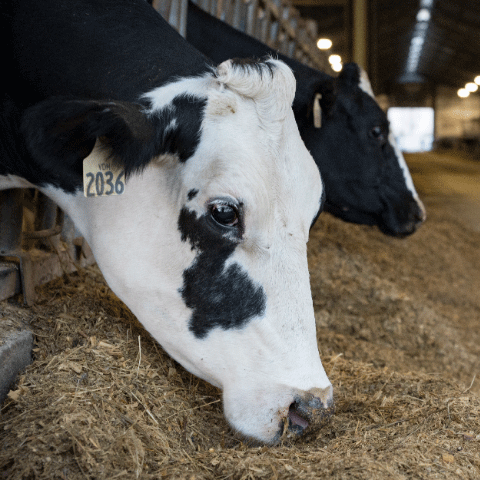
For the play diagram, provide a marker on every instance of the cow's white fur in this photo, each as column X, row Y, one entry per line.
column 406, row 174
column 12, row 181
column 366, row 86
column 252, row 153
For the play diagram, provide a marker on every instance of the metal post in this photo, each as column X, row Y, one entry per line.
column 11, row 216
column 360, row 33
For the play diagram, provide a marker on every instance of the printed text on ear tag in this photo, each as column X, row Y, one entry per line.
column 101, row 177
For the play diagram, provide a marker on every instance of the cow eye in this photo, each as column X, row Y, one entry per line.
column 224, row 214
column 378, row 133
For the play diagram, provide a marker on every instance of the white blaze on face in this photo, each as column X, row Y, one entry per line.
column 406, row 174
column 166, row 257
column 366, row 86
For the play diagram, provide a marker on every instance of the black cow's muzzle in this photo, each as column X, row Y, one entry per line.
column 403, row 220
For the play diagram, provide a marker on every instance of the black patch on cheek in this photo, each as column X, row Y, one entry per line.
column 218, row 296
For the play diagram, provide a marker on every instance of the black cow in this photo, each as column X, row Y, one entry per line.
column 366, row 178
column 191, row 184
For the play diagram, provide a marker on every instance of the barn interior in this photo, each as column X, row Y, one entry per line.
column 91, row 395
column 418, row 53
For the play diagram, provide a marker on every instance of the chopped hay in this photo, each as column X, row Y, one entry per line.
column 397, row 326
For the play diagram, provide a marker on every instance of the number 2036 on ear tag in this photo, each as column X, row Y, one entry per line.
column 101, row 177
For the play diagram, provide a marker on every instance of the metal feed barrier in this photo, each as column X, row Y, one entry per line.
column 37, row 243
column 274, row 22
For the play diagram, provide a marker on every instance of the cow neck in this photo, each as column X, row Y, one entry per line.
column 117, row 56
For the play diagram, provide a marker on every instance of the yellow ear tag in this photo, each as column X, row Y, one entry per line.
column 101, row 177
column 317, row 111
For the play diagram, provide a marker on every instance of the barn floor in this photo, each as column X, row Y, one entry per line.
column 399, row 334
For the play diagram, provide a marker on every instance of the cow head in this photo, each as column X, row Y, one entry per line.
column 207, row 244
column 365, row 174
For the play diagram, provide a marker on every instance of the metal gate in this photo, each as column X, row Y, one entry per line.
column 274, row 22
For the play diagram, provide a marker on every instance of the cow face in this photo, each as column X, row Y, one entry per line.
column 207, row 245
column 367, row 178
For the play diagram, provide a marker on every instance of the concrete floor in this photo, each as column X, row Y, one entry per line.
column 452, row 179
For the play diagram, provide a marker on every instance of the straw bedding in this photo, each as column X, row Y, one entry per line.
column 399, row 335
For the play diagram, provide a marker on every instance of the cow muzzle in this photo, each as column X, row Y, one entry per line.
column 277, row 414
column 401, row 220
column 309, row 411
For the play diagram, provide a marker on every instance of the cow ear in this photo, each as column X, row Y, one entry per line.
column 61, row 132
column 319, row 103
column 349, row 76
column 328, row 94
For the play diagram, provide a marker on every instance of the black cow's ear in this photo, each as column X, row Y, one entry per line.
column 350, row 75
column 61, row 132
column 328, row 92
column 319, row 103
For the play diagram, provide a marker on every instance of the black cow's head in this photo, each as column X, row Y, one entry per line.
column 366, row 178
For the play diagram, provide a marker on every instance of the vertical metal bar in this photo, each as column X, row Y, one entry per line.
column 360, row 33
column 46, row 213
column 251, row 14
column 265, row 26
column 228, row 12
column 163, row 8
column 182, row 18
column 11, row 217
column 236, row 17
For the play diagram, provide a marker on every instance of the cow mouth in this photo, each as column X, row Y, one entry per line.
column 296, row 423
column 301, row 419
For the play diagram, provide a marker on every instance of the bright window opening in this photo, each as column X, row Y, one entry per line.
column 413, row 128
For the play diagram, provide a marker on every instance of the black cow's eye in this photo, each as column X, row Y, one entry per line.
column 224, row 214
column 378, row 133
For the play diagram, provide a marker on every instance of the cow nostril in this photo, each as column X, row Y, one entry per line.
column 296, row 423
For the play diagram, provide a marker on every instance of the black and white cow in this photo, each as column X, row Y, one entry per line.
column 366, row 178
column 206, row 242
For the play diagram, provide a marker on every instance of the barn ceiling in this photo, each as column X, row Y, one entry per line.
column 441, row 46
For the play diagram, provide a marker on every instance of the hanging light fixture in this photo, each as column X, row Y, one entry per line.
column 471, row 87
column 334, row 58
column 324, row 44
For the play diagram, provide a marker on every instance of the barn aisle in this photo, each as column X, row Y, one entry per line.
column 449, row 178
column 409, row 304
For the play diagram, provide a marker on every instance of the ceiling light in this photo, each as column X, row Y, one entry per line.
column 463, row 93
column 337, row 67
column 471, row 87
column 477, row 80
column 324, row 43
column 334, row 59
column 423, row 15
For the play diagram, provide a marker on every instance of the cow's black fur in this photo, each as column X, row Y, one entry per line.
column 219, row 295
column 364, row 182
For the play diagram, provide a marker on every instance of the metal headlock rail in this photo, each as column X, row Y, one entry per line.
column 37, row 242
column 274, row 22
